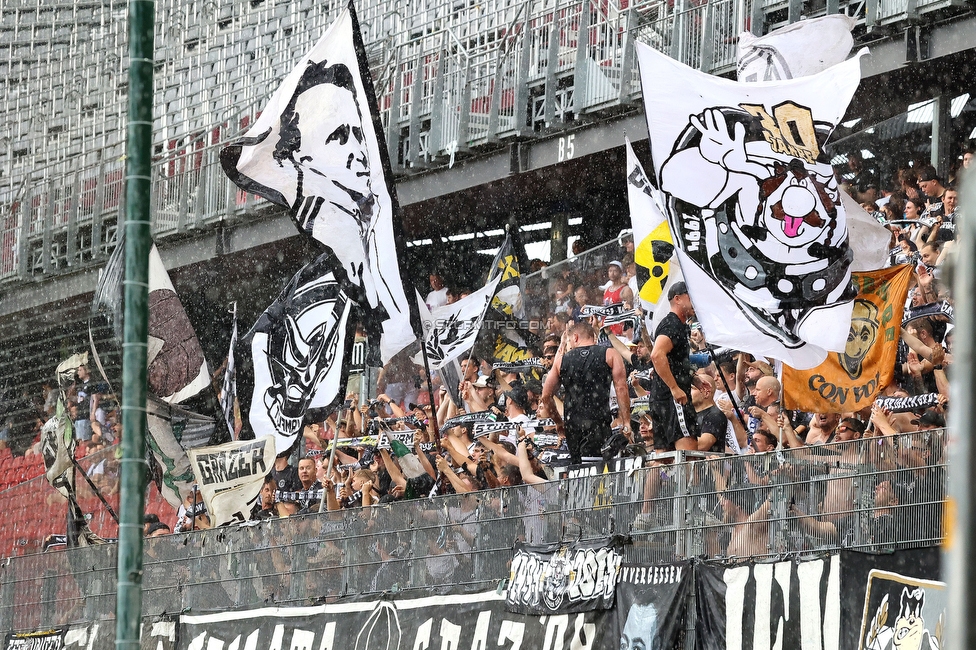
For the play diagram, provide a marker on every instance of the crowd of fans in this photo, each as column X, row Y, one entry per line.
column 594, row 391
column 572, row 403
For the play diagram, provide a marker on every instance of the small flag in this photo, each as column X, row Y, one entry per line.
column 228, row 392
column 230, row 477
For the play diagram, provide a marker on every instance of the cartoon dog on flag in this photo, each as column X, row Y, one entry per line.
column 757, row 207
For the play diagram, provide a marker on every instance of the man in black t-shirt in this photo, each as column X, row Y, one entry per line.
column 712, row 423
column 674, row 418
column 586, row 372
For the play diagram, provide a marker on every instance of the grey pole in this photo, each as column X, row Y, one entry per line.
column 959, row 549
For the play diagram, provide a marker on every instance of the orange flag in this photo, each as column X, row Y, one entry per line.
column 850, row 380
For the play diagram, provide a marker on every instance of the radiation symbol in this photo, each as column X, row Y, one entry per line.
column 654, row 255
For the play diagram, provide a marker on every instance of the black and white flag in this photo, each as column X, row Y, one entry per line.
column 228, row 392
column 657, row 267
column 230, row 477
column 797, row 50
column 172, row 431
column 754, row 208
column 318, row 149
column 451, row 330
column 299, row 346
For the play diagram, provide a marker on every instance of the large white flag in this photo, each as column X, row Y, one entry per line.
column 230, row 477
column 657, row 268
column 797, row 50
column 451, row 330
column 755, row 210
column 317, row 149
column 299, row 346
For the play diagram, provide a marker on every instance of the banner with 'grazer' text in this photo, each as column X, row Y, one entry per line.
column 230, row 476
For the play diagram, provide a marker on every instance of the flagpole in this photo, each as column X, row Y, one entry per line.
column 138, row 242
column 728, row 391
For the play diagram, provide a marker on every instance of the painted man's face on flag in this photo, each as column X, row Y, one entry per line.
column 336, row 155
column 322, row 137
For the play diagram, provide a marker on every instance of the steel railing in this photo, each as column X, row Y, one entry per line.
column 875, row 495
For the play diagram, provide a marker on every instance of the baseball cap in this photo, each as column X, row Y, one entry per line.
column 927, row 173
column 481, row 382
column 677, row 289
column 519, row 396
column 930, row 419
column 617, row 264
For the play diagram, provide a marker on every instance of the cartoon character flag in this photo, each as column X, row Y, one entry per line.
column 300, row 346
column 850, row 380
column 754, row 208
column 318, row 149
column 657, row 269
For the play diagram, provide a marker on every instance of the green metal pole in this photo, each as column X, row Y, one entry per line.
column 138, row 241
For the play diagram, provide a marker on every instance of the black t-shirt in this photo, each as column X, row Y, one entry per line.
column 287, row 479
column 713, row 421
column 672, row 327
column 585, row 375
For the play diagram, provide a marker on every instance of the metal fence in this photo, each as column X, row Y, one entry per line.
column 875, row 495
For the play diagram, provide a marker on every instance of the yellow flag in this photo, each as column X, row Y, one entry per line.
column 850, row 380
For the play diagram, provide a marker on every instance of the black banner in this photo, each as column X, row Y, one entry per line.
column 461, row 621
column 650, row 610
column 847, row 601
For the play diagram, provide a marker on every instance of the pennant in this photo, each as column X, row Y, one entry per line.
column 451, row 330
column 850, row 380
column 230, row 477
column 797, row 50
column 228, row 391
column 172, row 431
column 318, row 149
column 754, row 208
column 299, row 347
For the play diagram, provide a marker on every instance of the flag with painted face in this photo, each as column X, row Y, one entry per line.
column 318, row 149
column 755, row 211
column 851, row 380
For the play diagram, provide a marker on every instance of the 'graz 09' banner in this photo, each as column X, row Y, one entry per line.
column 560, row 578
column 649, row 614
